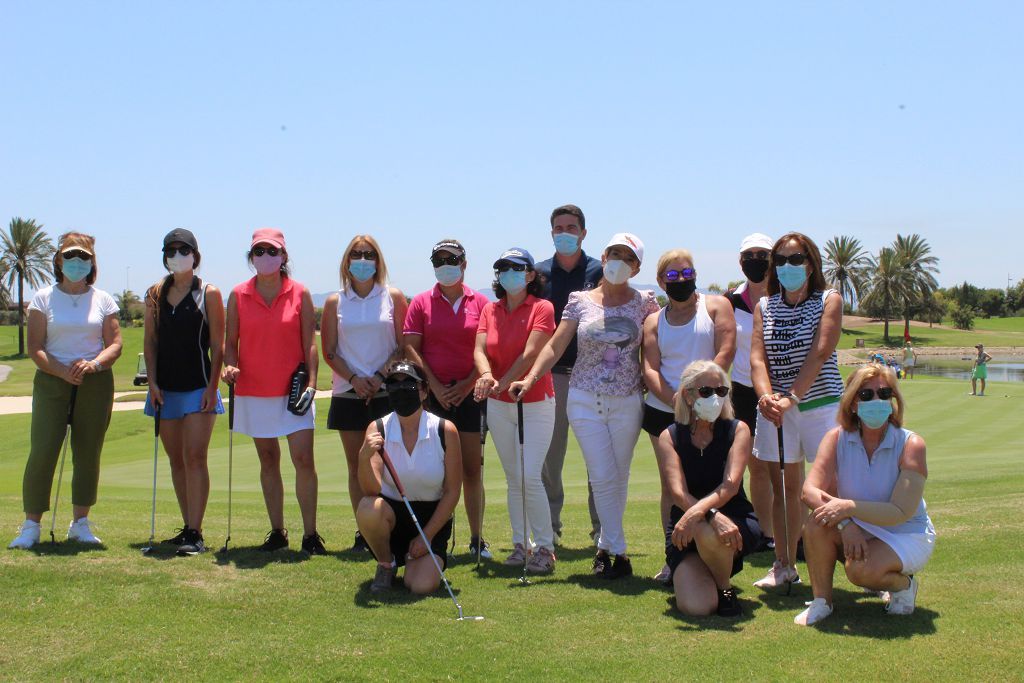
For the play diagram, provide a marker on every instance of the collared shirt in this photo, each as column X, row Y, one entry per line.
column 422, row 471
column 560, row 283
column 448, row 331
column 269, row 338
column 366, row 333
column 507, row 333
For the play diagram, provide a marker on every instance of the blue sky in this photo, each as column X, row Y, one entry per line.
column 687, row 125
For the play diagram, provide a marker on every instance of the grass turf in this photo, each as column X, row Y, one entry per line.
column 75, row 613
column 987, row 331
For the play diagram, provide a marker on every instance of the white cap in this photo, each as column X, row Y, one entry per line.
column 757, row 240
column 627, row 239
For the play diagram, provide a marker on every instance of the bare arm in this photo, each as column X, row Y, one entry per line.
column 535, row 343
column 547, row 357
column 329, row 338
column 371, row 466
column 215, row 319
column 650, row 359
column 758, row 356
column 149, row 348
column 725, row 330
column 823, row 345
column 413, row 346
column 401, row 306
column 230, row 373
column 671, row 472
column 112, row 344
column 307, row 320
column 822, row 477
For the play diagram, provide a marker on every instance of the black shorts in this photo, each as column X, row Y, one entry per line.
column 350, row 413
column 744, row 402
column 656, row 421
column 405, row 531
column 750, row 531
column 465, row 416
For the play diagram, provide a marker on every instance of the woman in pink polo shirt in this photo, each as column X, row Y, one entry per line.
column 440, row 333
column 512, row 332
column 270, row 335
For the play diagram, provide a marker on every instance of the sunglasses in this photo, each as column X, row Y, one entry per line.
column 269, row 251
column 507, row 266
column 184, row 250
column 401, row 385
column 792, row 259
column 439, row 261
column 677, row 275
column 754, row 255
column 705, row 392
column 885, row 393
column 77, row 253
column 365, row 255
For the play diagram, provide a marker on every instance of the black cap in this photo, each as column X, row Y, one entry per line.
column 181, row 235
column 404, row 367
column 452, row 245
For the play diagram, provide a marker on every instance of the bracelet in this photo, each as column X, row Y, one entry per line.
column 487, row 372
column 761, row 398
column 351, row 377
column 843, row 524
column 98, row 365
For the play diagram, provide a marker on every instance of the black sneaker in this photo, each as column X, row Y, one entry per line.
column 314, row 544
column 602, row 563
column 359, row 545
column 179, row 538
column 728, row 604
column 193, row 543
column 620, row 568
column 275, row 540
column 479, row 545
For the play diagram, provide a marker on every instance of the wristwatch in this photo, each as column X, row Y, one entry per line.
column 710, row 514
column 843, row 524
column 793, row 397
column 98, row 365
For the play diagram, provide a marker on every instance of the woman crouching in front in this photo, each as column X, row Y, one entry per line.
column 702, row 457
column 865, row 490
column 424, row 450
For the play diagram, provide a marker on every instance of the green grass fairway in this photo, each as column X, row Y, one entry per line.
column 987, row 331
column 74, row 613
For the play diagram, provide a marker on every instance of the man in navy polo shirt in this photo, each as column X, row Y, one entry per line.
column 569, row 270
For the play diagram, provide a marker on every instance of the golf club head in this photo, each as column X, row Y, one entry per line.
column 523, row 581
column 223, row 548
column 147, row 550
column 462, row 617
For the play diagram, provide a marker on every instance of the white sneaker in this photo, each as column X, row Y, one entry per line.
column 28, row 535
column 778, row 575
column 902, row 602
column 81, row 531
column 817, row 609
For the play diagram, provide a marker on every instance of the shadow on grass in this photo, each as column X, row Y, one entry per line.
column 160, row 551
column 856, row 613
column 251, row 557
column 713, row 622
column 398, row 595
column 66, row 548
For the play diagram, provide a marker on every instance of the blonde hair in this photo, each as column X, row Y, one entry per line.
column 688, row 382
column 673, row 255
column 847, row 416
column 379, row 277
column 70, row 240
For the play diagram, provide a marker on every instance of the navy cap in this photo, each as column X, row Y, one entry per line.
column 515, row 255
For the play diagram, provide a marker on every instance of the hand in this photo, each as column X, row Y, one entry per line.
column 363, row 387
column 305, row 401
column 371, row 444
column 439, row 391
column 417, row 548
column 375, row 384
column 727, row 531
column 230, row 374
column 832, row 510
column 459, row 391
column 484, row 387
column 682, row 533
column 517, row 389
column 81, row 367
column 69, row 375
column 855, row 543
column 208, row 402
column 156, row 395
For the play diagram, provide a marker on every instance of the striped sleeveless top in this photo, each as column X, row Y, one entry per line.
column 788, row 334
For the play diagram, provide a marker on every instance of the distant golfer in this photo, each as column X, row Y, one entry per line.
column 865, row 492
column 184, row 349
column 909, row 360
column 73, row 338
column 428, row 461
column 980, row 370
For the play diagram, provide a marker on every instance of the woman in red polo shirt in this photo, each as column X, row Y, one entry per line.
column 270, row 332
column 512, row 332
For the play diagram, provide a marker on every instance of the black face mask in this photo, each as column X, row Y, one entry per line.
column 404, row 400
column 755, row 269
column 680, row 290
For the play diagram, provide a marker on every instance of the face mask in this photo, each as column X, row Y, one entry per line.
column 755, row 270
column 874, row 413
column 267, row 264
column 680, row 290
column 362, row 269
column 448, row 275
column 791, row 277
column 181, row 264
column 566, row 243
column 513, row 281
column 75, row 269
column 617, row 272
column 708, row 409
column 404, row 401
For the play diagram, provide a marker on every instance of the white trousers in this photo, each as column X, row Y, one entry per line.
column 538, row 423
column 607, row 428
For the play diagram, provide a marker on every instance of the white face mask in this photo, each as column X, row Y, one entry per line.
column 708, row 409
column 181, row 264
column 617, row 272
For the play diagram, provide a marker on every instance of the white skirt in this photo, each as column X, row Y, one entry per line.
column 268, row 417
column 913, row 549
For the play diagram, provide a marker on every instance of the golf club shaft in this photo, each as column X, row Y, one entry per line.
column 785, row 507
column 522, row 484
column 63, row 454
column 231, row 434
column 480, row 525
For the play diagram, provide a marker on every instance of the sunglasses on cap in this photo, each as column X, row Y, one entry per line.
column 506, row 266
column 368, row 255
column 269, row 251
column 705, row 392
column 885, row 393
column 677, row 275
column 792, row 259
column 754, row 255
column 76, row 253
column 439, row 261
column 401, row 384
column 184, row 250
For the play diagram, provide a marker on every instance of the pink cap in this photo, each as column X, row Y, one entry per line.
column 271, row 236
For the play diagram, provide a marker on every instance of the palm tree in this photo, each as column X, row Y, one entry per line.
column 846, row 267
column 915, row 257
column 27, row 257
column 890, row 285
column 127, row 300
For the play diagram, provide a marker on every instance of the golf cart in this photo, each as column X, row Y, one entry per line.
column 141, row 376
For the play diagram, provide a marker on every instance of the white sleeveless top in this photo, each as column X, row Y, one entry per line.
column 366, row 333
column 422, row 471
column 744, row 332
column 680, row 345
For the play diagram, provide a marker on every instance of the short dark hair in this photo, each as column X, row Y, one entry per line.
column 815, row 279
column 534, row 287
column 569, row 210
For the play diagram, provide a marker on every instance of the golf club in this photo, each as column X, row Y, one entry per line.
column 231, row 434
column 156, row 449
column 785, row 508
column 480, row 526
column 64, row 452
column 522, row 480
column 423, row 536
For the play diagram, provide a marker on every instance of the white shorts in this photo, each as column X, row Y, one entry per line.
column 914, row 550
column 268, row 417
column 802, row 433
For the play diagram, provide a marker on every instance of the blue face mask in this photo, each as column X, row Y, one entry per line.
column 566, row 243
column 448, row 275
column 874, row 413
column 75, row 269
column 791, row 277
column 513, row 281
column 362, row 269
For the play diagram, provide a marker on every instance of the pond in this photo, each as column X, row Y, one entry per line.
column 998, row 370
